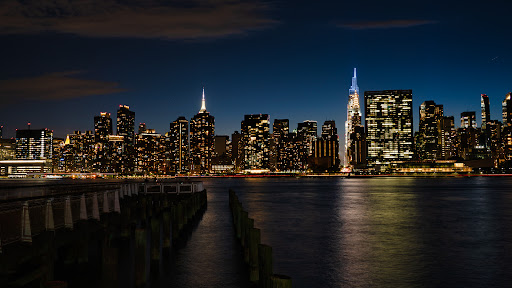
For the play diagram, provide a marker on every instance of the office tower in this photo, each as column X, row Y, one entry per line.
column 329, row 130
column 255, row 142
column 446, row 138
column 221, row 145
column 102, row 127
column 34, row 144
column 494, row 132
column 125, row 128
column 309, row 131
column 150, row 153
column 202, row 133
column 77, row 152
column 280, row 130
column 389, row 126
column 126, row 124
column 7, row 149
column 507, row 110
column 486, row 115
column 468, row 119
column 179, row 149
column 237, row 150
column 142, row 128
column 353, row 121
column 427, row 140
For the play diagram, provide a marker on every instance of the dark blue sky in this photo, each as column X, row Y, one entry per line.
column 63, row 64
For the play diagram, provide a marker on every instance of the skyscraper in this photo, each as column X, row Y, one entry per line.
column 255, row 142
column 389, row 126
column 446, row 137
column 126, row 124
column 34, row 144
column 202, row 135
column 486, row 115
column 427, row 141
column 126, row 128
column 102, row 127
column 351, row 125
column 308, row 131
column 326, row 149
column 468, row 119
column 178, row 142
column 507, row 110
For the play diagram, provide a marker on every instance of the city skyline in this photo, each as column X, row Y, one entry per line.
column 281, row 55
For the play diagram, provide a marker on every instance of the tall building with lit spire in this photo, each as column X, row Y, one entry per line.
column 202, row 140
column 355, row 151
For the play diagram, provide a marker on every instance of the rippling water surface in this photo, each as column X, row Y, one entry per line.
column 354, row 232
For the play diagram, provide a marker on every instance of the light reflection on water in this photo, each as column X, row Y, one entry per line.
column 383, row 232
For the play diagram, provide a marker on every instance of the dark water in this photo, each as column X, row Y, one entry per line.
column 377, row 232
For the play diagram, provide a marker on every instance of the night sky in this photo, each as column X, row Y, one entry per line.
column 63, row 62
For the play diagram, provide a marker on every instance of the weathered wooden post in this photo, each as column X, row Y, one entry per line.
column 26, row 232
column 174, row 222
column 155, row 238
column 254, row 241
column 68, row 216
column 264, row 265
column 49, row 223
column 95, row 208
column 106, row 208
column 166, row 222
column 140, row 257
column 280, row 281
column 83, row 208
column 117, row 206
column 110, row 263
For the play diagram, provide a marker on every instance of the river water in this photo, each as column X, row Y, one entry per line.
column 353, row 232
column 360, row 232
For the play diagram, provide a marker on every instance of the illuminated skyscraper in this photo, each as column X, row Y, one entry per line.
column 468, row 119
column 126, row 128
column 255, row 142
column 446, row 138
column 427, row 140
column 202, row 136
column 178, row 142
column 326, row 150
column 486, row 114
column 102, row 127
column 280, row 130
column 34, row 144
column 388, row 126
column 507, row 110
column 351, row 125
column 150, row 152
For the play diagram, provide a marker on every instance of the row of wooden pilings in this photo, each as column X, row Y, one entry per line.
column 258, row 256
column 155, row 221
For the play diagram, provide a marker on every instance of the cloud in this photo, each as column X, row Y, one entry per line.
column 388, row 24
column 175, row 19
column 54, row 86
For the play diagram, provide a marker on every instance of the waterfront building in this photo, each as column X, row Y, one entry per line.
column 353, row 140
column 126, row 128
column 221, row 162
column 468, row 119
column 494, row 128
column 150, row 153
column 507, row 110
column 447, row 137
column 308, row 130
column 202, row 133
column 389, row 124
column 326, row 150
column 427, row 145
column 486, row 114
column 34, row 144
column 280, row 130
column 294, row 151
column 178, row 143
column 7, row 149
column 221, row 146
column 77, row 152
column 237, row 151
column 142, row 128
column 255, row 143
column 102, row 127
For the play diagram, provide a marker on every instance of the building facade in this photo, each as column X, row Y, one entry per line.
column 353, row 136
column 255, row 143
column 389, row 127
column 202, row 136
column 427, row 145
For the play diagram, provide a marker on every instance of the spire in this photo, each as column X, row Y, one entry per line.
column 354, row 88
column 203, row 104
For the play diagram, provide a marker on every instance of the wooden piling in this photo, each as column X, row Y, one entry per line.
column 140, row 258
column 254, row 241
column 265, row 265
column 155, row 238
column 280, row 281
